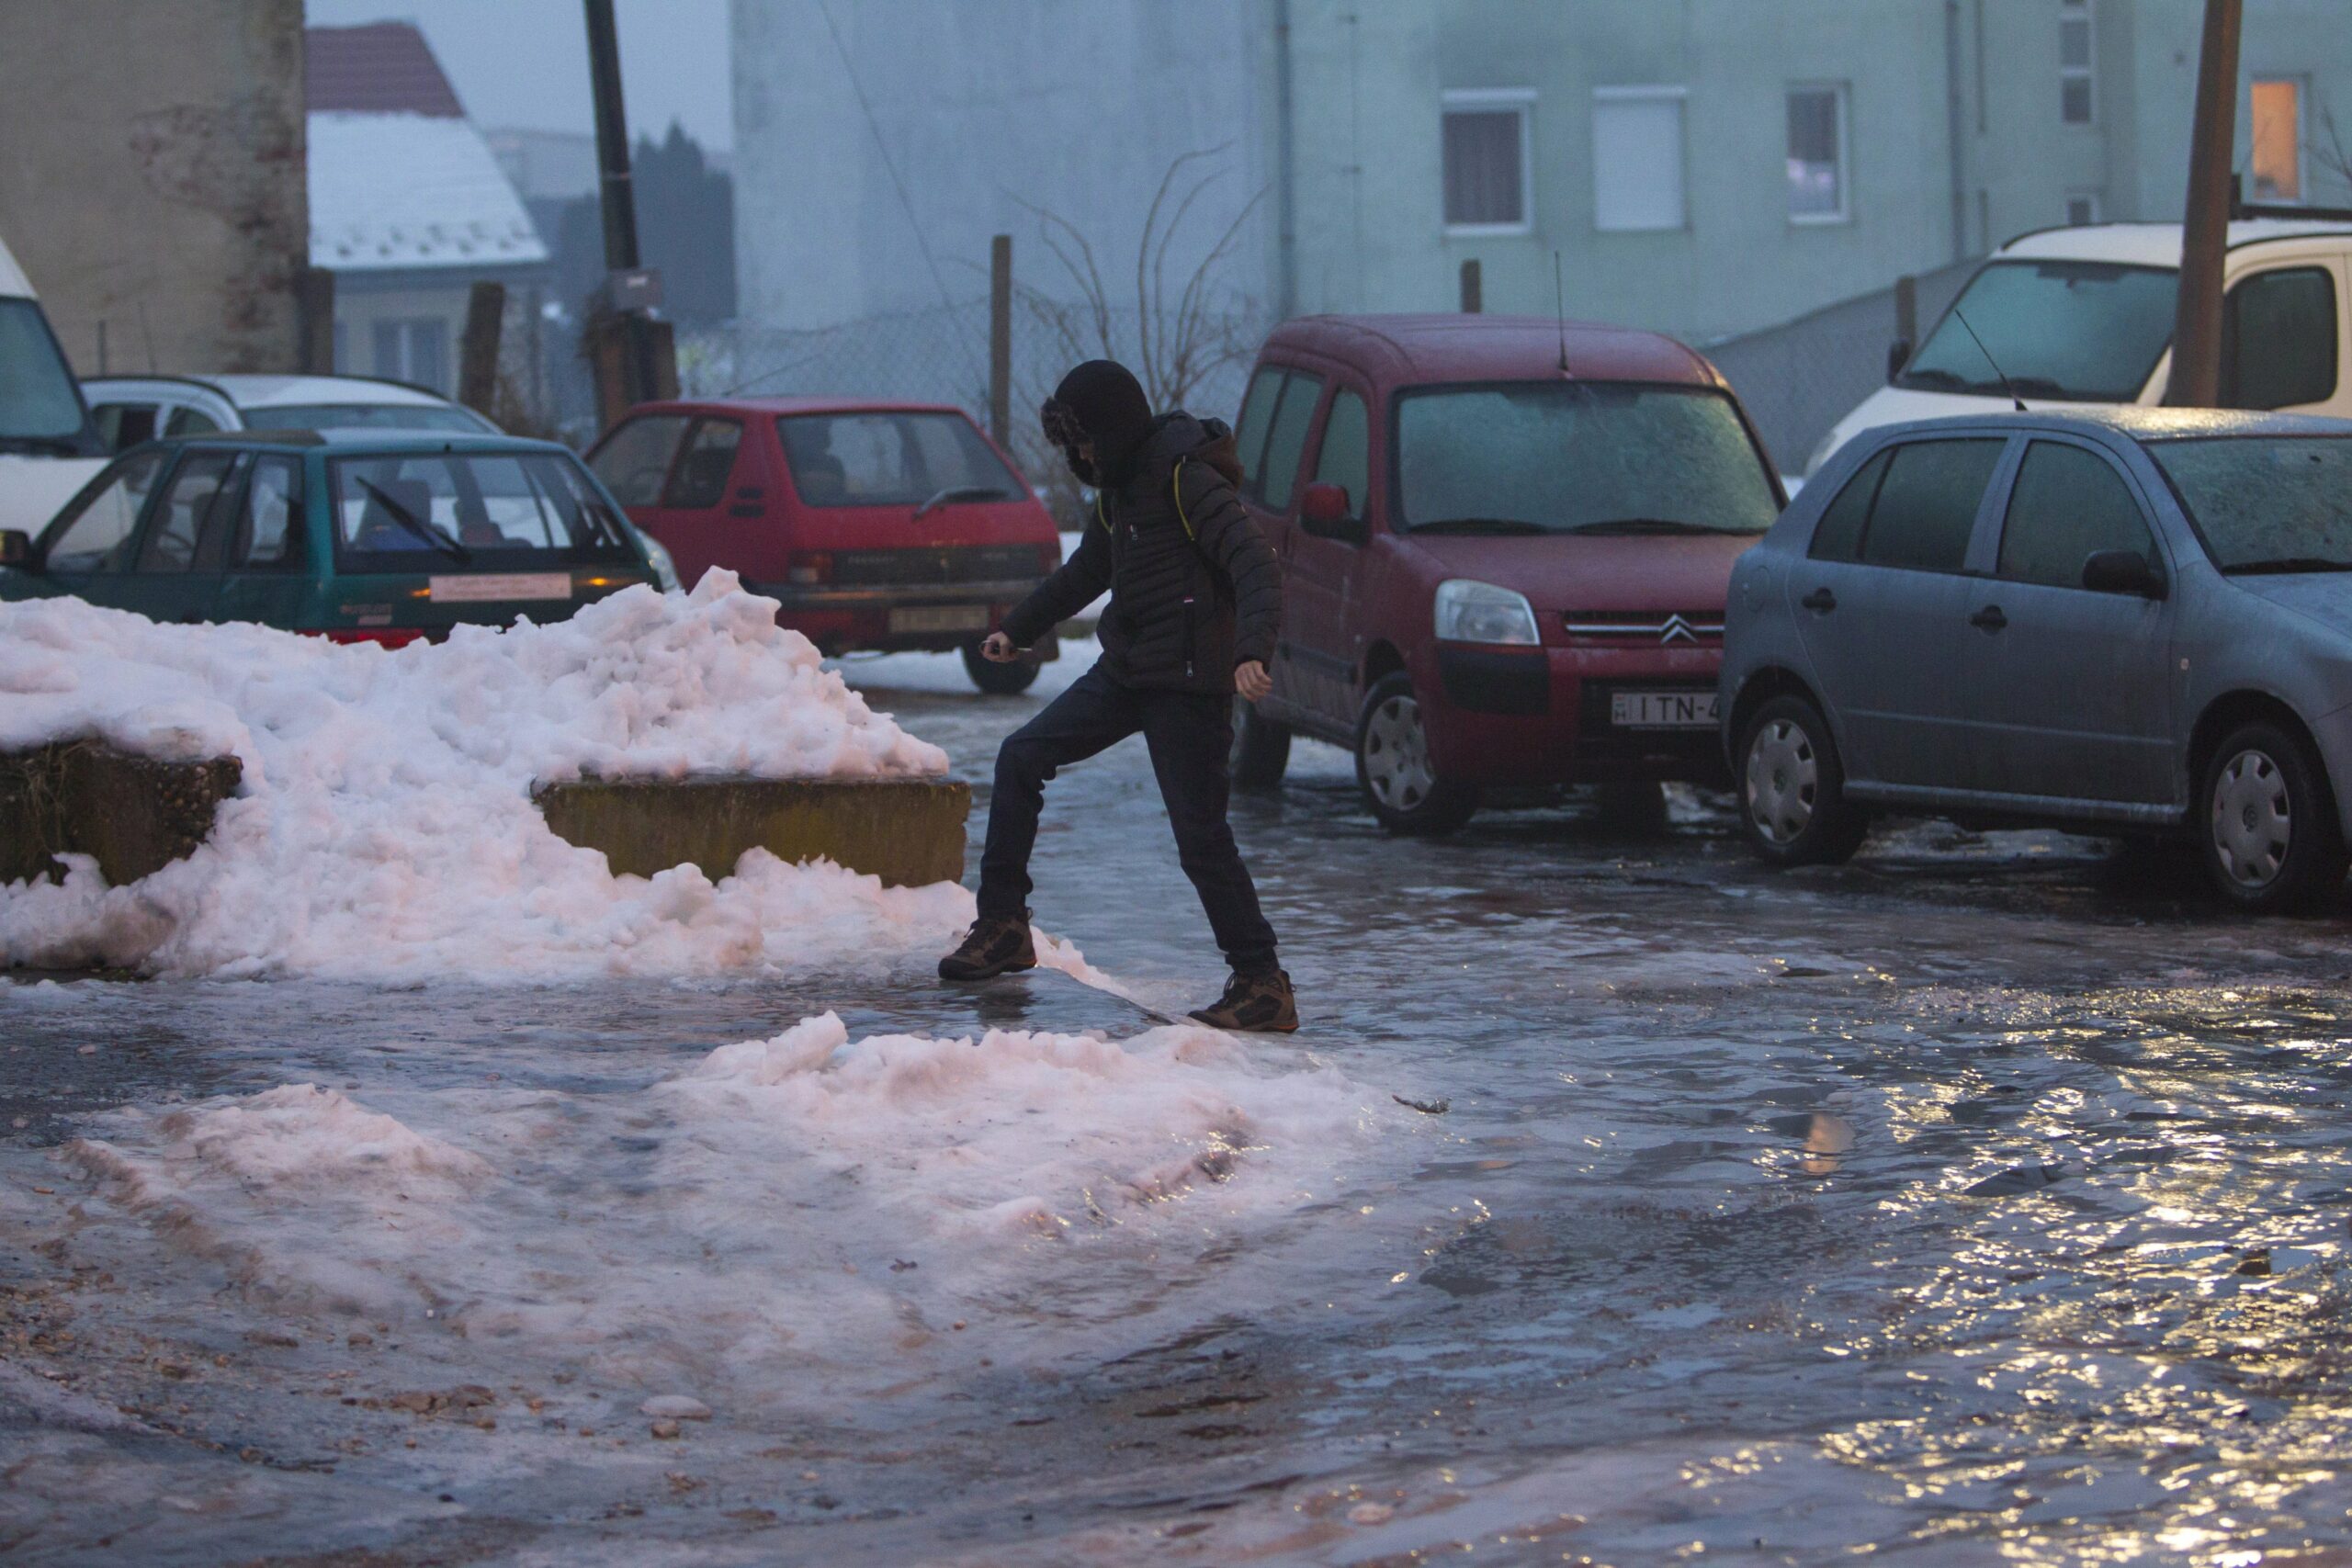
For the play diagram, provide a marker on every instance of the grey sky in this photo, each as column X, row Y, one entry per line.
column 524, row 62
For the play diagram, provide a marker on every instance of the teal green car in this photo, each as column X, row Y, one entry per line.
column 360, row 537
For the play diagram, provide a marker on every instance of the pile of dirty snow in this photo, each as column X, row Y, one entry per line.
column 384, row 828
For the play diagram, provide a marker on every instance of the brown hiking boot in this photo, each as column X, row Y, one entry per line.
column 997, row 944
column 1253, row 1004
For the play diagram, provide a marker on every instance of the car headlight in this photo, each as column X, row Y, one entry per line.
column 1469, row 611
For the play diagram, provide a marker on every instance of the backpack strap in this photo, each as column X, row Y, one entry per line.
column 1098, row 513
column 1190, row 532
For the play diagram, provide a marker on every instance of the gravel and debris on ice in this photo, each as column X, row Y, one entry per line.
column 384, row 830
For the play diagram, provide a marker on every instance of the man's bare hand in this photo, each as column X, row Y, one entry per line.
column 1253, row 682
column 998, row 649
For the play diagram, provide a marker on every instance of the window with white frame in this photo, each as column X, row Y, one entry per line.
column 1487, row 183
column 1817, row 153
column 1637, row 183
column 2076, row 103
column 414, row 350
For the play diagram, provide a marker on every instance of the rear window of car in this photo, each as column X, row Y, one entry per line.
column 890, row 458
column 446, row 512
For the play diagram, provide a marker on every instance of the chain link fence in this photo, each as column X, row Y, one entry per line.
column 1801, row 377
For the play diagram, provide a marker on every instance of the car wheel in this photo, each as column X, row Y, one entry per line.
column 2271, row 838
column 1791, row 789
column 1260, row 748
column 998, row 680
column 1393, row 765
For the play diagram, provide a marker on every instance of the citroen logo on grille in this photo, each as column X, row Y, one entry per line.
column 1677, row 630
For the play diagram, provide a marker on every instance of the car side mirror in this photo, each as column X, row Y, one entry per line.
column 15, row 548
column 1323, row 514
column 1898, row 355
column 2123, row 572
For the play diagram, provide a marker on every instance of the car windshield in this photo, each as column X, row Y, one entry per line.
column 40, row 408
column 366, row 416
column 884, row 458
column 1577, row 458
column 2266, row 504
column 483, row 510
column 2074, row 330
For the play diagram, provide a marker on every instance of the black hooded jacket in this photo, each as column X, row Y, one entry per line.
column 1195, row 592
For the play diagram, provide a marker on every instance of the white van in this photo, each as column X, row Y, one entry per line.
column 2084, row 316
column 48, row 448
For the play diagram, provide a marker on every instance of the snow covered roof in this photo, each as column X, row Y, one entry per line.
column 411, row 190
column 399, row 178
column 2152, row 245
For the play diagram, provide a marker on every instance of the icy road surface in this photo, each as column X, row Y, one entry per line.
column 1983, row 1200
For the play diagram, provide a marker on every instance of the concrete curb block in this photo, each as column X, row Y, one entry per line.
column 906, row 831
column 134, row 814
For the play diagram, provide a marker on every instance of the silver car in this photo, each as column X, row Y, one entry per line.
column 2136, row 620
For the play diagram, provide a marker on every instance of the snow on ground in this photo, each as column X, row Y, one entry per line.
column 782, row 1213
column 384, row 829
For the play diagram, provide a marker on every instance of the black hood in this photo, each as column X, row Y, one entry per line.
column 1102, row 402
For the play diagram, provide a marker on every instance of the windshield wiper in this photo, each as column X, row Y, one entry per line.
column 2285, row 564
column 961, row 492
column 422, row 530
column 1479, row 525
column 1648, row 525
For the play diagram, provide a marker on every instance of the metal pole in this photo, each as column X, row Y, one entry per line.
column 1000, row 338
column 1473, row 286
column 612, row 137
column 2204, row 237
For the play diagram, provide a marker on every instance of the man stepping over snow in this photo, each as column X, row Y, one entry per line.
column 1195, row 603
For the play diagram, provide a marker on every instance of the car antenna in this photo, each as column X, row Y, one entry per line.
column 1560, row 306
column 1991, row 361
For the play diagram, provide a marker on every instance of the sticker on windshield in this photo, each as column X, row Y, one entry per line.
column 480, row 586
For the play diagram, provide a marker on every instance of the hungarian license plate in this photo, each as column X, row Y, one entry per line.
column 1662, row 710
column 483, row 587
column 941, row 619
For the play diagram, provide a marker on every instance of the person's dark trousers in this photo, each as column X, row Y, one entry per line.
column 1191, row 737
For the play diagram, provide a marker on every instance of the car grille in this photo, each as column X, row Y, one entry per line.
column 923, row 567
column 1636, row 626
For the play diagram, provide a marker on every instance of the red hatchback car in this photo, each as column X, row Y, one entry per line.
column 874, row 524
column 1505, row 546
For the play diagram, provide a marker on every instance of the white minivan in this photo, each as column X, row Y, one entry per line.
column 49, row 449
column 2082, row 316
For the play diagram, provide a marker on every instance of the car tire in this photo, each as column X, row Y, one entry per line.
column 1393, row 766
column 2271, row 840
column 998, row 680
column 1792, row 788
column 1260, row 748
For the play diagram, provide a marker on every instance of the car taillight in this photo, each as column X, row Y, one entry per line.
column 807, row 567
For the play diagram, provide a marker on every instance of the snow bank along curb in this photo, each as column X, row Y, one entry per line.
column 384, row 827
column 132, row 814
column 906, row 831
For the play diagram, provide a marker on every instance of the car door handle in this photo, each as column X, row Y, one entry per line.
column 1989, row 619
column 1820, row 599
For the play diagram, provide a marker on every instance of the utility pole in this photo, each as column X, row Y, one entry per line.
column 634, row 355
column 2204, row 235
column 1000, row 338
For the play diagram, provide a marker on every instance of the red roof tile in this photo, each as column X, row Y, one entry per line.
column 383, row 68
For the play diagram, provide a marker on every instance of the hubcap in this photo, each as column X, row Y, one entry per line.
column 1396, row 755
column 2253, row 820
column 1783, row 777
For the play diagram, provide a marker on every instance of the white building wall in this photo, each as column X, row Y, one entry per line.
column 981, row 112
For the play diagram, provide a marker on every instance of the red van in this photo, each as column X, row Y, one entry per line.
column 1505, row 545
column 874, row 524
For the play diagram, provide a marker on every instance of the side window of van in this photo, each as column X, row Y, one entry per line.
column 1286, row 441
column 1345, row 458
column 2278, row 338
column 1257, row 416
